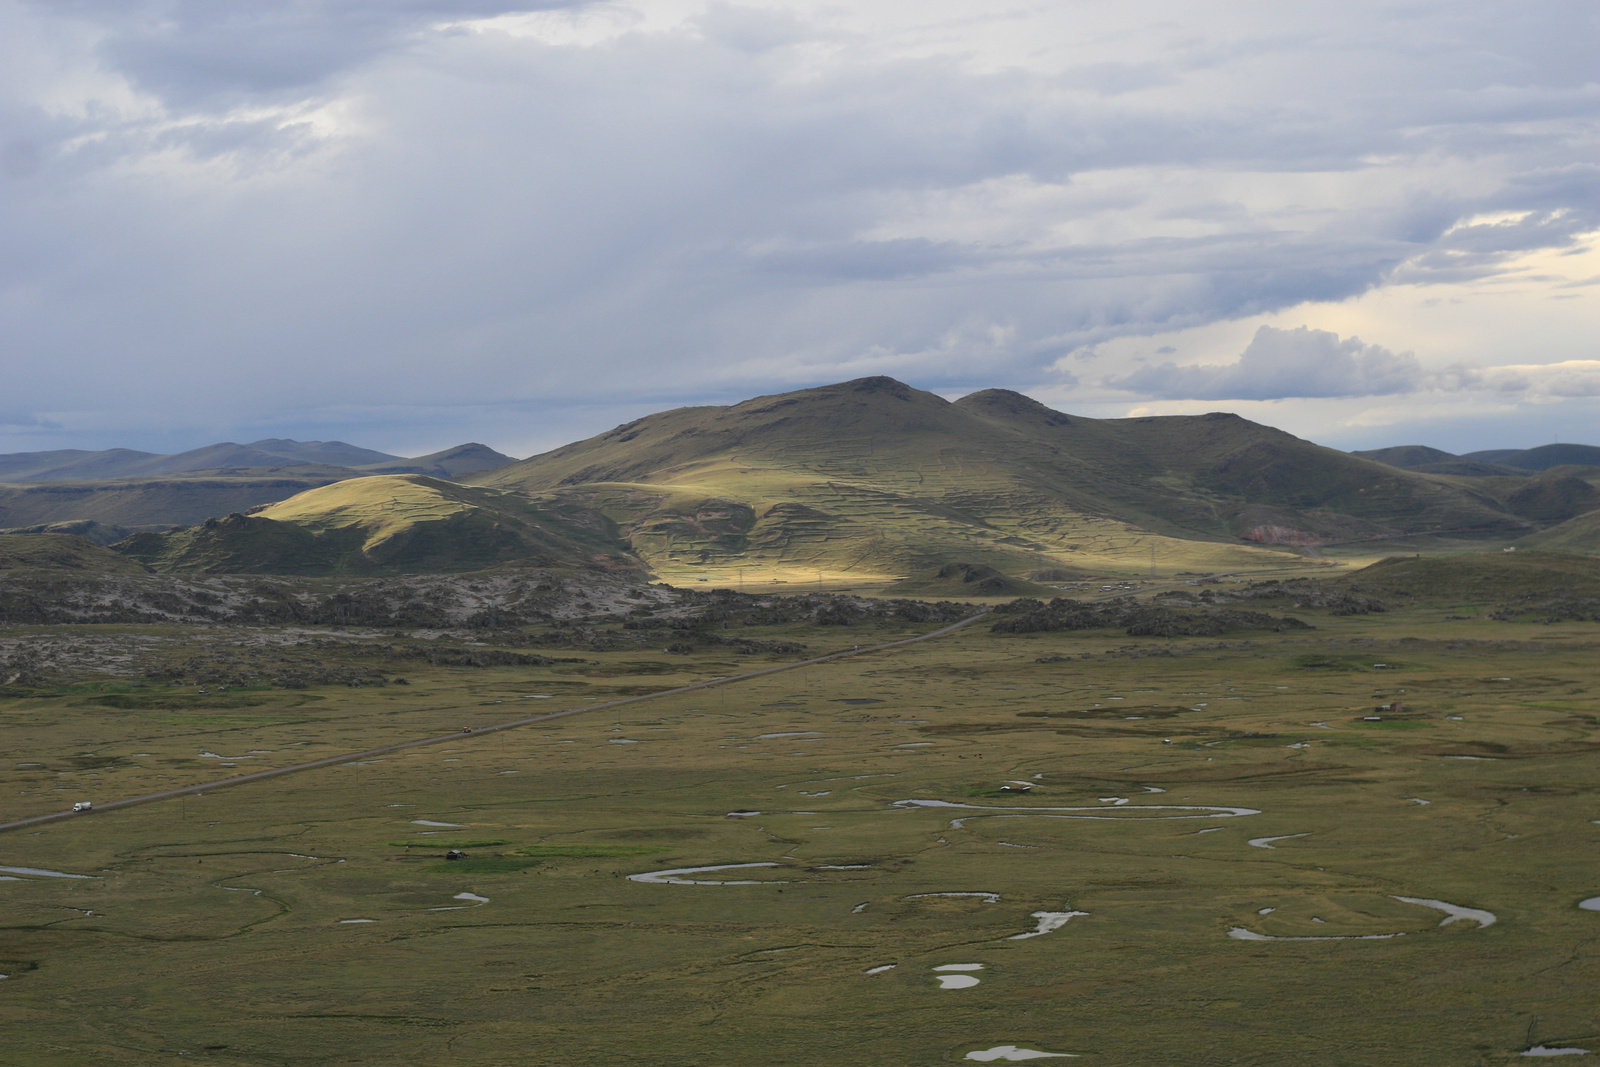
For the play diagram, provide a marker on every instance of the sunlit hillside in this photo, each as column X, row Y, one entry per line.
column 872, row 480
column 385, row 523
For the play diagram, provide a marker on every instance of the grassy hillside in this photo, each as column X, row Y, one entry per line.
column 1482, row 576
column 59, row 551
column 872, row 478
column 384, row 524
column 1578, row 537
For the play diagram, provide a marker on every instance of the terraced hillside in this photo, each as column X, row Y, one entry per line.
column 873, row 478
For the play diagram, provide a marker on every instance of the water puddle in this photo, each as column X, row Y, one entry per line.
column 1015, row 1052
column 473, row 901
column 1542, row 1050
column 1592, row 904
column 1485, row 759
column 1117, row 801
column 1239, row 933
column 1207, row 830
column 957, row 981
column 1267, row 842
column 858, row 909
column 352, row 922
column 40, row 872
column 1453, row 912
column 1126, row 812
column 1049, row 922
column 880, row 970
column 988, row 898
column 430, row 822
column 796, row 733
column 841, row 866
column 623, row 741
column 1419, row 800
column 669, row 877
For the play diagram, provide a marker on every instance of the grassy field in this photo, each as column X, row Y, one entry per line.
column 313, row 919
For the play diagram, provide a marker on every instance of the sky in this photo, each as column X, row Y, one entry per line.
column 413, row 223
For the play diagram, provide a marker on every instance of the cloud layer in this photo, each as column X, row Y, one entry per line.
column 379, row 216
column 1284, row 363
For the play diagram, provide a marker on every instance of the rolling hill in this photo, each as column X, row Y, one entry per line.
column 875, row 478
column 174, row 500
column 77, row 465
column 385, row 524
column 1490, row 462
column 121, row 491
column 1578, row 536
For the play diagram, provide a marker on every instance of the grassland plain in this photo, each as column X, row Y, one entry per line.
column 312, row 919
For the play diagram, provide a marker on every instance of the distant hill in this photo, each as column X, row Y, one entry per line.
column 331, row 453
column 1578, row 536
column 123, row 488
column 385, row 524
column 1408, row 456
column 450, row 463
column 175, row 500
column 873, row 477
column 77, row 465
column 1494, row 461
column 1546, row 456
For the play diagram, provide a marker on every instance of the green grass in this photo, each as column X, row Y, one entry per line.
column 591, row 851
column 483, row 865
column 247, row 895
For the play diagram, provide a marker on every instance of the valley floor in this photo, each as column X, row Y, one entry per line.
column 1129, row 850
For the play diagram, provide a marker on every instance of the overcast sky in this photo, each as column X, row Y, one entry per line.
column 411, row 223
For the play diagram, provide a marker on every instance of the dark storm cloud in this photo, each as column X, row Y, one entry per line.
column 233, row 213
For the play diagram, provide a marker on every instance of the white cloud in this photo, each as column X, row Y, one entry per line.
column 1284, row 363
column 1569, row 379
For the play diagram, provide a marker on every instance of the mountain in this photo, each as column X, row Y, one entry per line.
column 450, row 463
column 1488, row 463
column 1408, row 456
column 175, row 500
column 77, row 465
column 69, row 464
column 331, row 453
column 123, row 488
column 1546, row 456
column 873, row 477
column 385, row 524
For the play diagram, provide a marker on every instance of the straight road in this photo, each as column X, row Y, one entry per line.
column 475, row 731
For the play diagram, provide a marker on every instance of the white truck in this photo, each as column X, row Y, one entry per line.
column 83, row 805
